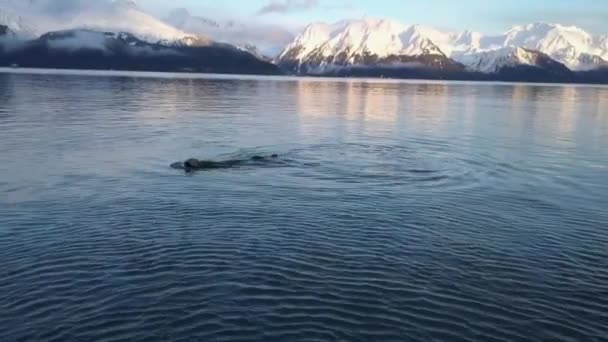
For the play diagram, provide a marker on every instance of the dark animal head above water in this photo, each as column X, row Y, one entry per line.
column 194, row 164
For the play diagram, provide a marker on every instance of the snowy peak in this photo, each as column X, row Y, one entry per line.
column 417, row 40
column 373, row 36
column 312, row 38
column 568, row 45
column 532, row 33
column 33, row 18
column 469, row 41
column 356, row 42
column 125, row 16
column 563, row 43
column 77, row 39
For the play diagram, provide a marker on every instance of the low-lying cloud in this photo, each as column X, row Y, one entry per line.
column 78, row 40
column 267, row 38
column 286, row 6
column 60, row 7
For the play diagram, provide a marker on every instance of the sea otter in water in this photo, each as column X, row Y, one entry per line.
column 193, row 164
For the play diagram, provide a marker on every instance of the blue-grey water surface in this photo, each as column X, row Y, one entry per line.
column 398, row 211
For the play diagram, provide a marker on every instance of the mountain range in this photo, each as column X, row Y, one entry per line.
column 111, row 35
column 117, row 34
column 371, row 41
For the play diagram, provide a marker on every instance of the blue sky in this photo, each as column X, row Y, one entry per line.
column 489, row 16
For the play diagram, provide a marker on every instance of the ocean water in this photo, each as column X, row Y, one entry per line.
column 396, row 211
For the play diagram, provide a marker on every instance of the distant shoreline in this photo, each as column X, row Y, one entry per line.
column 286, row 77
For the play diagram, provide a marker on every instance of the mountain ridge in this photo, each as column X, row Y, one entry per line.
column 568, row 45
column 99, row 50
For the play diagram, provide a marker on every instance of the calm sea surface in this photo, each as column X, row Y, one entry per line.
column 407, row 211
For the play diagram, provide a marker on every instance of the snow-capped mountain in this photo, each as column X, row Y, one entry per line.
column 362, row 42
column 569, row 45
column 259, row 39
column 321, row 45
column 125, row 16
column 358, row 37
column 33, row 18
column 494, row 61
column 110, row 34
column 98, row 50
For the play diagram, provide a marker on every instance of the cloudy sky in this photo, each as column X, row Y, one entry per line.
column 491, row 16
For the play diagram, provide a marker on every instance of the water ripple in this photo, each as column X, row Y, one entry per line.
column 435, row 220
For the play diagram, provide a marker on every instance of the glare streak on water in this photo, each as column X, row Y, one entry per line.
column 398, row 211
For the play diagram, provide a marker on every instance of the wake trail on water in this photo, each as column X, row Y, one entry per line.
column 424, row 164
